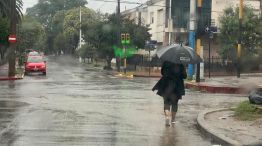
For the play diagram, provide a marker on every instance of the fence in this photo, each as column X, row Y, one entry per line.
column 218, row 66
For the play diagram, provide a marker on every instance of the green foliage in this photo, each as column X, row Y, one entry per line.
column 5, row 6
column 251, row 36
column 51, row 14
column 4, row 31
column 86, row 51
column 247, row 111
column 71, row 25
column 60, row 43
column 30, row 35
column 44, row 10
column 102, row 34
column 138, row 34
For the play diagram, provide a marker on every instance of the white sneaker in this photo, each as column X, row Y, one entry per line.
column 167, row 122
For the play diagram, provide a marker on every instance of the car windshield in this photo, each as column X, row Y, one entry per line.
column 33, row 54
column 35, row 59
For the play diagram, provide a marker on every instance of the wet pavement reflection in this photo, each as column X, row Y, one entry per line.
column 79, row 105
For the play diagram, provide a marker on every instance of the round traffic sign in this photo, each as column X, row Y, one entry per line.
column 12, row 38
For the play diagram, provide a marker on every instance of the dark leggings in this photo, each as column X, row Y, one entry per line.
column 171, row 101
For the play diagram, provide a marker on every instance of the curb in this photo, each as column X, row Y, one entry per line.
column 12, row 78
column 217, row 89
column 206, row 129
column 214, row 89
column 119, row 75
column 147, row 76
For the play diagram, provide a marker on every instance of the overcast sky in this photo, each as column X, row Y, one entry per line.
column 105, row 7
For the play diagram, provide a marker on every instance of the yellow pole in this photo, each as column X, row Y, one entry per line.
column 199, row 3
column 198, row 46
column 239, row 47
column 241, row 9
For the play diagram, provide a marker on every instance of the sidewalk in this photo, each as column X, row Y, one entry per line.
column 4, row 74
column 226, row 84
column 230, row 84
column 222, row 127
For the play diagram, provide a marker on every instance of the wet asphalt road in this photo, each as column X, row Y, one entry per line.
column 76, row 105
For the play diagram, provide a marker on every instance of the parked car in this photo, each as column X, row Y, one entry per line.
column 35, row 64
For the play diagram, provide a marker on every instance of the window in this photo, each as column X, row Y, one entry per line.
column 151, row 17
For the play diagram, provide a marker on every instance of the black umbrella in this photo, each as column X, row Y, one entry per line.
column 179, row 54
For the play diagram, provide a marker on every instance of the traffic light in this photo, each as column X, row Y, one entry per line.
column 123, row 38
column 127, row 38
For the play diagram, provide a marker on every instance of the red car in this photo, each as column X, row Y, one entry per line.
column 35, row 64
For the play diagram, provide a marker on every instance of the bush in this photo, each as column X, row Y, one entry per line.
column 247, row 111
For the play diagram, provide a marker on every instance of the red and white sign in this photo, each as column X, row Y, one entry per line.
column 12, row 39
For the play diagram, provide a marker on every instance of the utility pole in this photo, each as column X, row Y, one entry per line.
column 12, row 46
column 118, row 59
column 192, row 33
column 198, row 45
column 170, row 23
column 239, row 38
column 80, row 32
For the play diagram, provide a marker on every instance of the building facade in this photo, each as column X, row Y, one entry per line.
column 155, row 15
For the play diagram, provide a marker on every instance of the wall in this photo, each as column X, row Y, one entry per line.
column 156, row 21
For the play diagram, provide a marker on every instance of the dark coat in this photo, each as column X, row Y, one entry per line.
column 171, row 77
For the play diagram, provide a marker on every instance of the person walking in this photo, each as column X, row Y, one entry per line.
column 171, row 88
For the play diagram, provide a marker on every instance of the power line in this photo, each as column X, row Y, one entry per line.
column 129, row 2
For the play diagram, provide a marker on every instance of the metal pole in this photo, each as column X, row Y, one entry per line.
column 170, row 23
column 118, row 61
column 149, row 62
column 209, row 56
column 239, row 38
column 192, row 28
column 124, row 58
column 80, row 31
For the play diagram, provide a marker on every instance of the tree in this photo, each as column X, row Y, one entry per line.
column 103, row 35
column 60, row 43
column 4, row 29
column 45, row 11
column 71, row 26
column 86, row 51
column 5, row 6
column 251, row 36
column 10, row 9
column 31, row 35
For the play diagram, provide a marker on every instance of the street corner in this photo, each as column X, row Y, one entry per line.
column 222, row 127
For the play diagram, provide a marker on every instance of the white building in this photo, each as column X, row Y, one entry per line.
column 155, row 13
column 151, row 15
